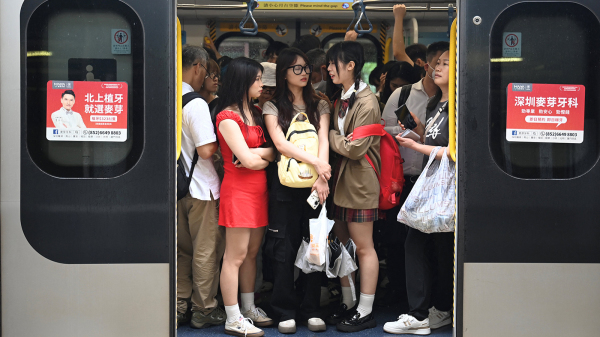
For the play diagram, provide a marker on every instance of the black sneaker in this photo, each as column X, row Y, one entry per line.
column 215, row 317
column 339, row 314
column 356, row 323
column 183, row 318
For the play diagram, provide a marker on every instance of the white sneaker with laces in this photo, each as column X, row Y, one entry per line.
column 258, row 316
column 407, row 324
column 242, row 327
column 438, row 319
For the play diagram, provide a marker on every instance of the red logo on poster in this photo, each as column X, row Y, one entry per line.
column 121, row 37
column 556, row 110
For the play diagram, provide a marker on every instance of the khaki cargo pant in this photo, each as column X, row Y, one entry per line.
column 200, row 247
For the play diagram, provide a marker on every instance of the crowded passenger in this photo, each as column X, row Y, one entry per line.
column 289, row 213
column 355, row 187
column 307, row 42
column 429, row 257
column 200, row 241
column 317, row 58
column 269, row 84
column 273, row 50
column 243, row 210
column 399, row 74
column 211, row 82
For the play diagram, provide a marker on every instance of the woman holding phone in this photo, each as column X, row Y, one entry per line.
column 289, row 213
column 244, row 199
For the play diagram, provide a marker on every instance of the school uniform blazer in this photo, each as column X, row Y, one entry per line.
column 357, row 186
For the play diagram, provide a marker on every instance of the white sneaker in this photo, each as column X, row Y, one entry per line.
column 242, row 327
column 438, row 319
column 407, row 324
column 316, row 324
column 288, row 326
column 258, row 316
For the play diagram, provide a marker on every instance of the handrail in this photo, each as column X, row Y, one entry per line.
column 249, row 31
column 179, row 71
column 424, row 8
column 452, row 93
column 356, row 6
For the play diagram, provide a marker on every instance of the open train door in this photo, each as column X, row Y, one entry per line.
column 88, row 167
column 528, row 180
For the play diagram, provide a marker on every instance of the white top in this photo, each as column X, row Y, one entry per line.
column 196, row 130
column 346, row 95
column 417, row 104
column 67, row 119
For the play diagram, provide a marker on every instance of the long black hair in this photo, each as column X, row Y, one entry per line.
column 402, row 70
column 284, row 98
column 240, row 76
column 345, row 52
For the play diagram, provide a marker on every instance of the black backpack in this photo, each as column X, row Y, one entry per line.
column 183, row 181
column 402, row 112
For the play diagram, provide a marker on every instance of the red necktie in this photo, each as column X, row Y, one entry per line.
column 343, row 108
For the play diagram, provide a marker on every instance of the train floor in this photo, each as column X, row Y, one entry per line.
column 382, row 315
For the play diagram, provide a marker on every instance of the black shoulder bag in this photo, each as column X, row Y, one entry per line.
column 183, row 181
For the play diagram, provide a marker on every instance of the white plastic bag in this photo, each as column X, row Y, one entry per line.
column 302, row 262
column 430, row 206
column 319, row 231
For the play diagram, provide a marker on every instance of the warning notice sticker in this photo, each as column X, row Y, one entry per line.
column 86, row 111
column 545, row 113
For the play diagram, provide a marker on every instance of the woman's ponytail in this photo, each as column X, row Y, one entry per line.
column 353, row 97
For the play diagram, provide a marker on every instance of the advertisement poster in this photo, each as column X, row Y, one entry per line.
column 545, row 113
column 90, row 111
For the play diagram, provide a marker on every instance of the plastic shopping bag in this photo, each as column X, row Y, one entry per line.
column 430, row 206
column 302, row 262
column 319, row 231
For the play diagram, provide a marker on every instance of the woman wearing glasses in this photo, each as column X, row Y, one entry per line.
column 355, row 185
column 288, row 210
column 211, row 82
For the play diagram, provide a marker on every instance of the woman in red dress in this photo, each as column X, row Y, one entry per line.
column 244, row 198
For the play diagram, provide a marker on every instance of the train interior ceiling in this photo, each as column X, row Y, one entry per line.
column 425, row 23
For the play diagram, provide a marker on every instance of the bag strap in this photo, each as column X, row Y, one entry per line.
column 430, row 124
column 367, row 131
column 404, row 94
column 190, row 96
column 296, row 117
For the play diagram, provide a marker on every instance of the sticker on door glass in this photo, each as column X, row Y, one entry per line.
column 545, row 113
column 511, row 44
column 86, row 111
column 121, row 41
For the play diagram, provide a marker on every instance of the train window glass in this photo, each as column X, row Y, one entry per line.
column 88, row 41
column 247, row 46
column 370, row 56
column 573, row 61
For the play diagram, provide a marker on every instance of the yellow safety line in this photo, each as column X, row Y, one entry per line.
column 179, row 81
column 452, row 93
column 386, row 52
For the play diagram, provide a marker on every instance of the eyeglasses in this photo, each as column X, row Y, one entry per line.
column 214, row 77
column 298, row 69
column 193, row 65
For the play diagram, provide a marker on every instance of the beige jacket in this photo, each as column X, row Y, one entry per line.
column 357, row 186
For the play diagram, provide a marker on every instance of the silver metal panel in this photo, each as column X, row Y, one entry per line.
column 507, row 299
column 44, row 298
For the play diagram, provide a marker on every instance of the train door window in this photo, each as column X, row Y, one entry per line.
column 544, row 61
column 91, row 53
column 238, row 45
column 371, row 55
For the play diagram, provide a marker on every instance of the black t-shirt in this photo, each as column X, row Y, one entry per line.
column 438, row 134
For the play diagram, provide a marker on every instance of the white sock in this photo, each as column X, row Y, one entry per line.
column 247, row 301
column 233, row 312
column 365, row 304
column 347, row 297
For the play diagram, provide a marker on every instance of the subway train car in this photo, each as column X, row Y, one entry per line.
column 87, row 219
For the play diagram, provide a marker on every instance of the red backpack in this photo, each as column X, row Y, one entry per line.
column 391, row 179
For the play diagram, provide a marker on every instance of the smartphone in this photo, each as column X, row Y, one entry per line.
column 405, row 117
column 313, row 199
column 410, row 134
column 234, row 158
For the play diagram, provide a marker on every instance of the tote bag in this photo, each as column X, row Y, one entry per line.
column 430, row 206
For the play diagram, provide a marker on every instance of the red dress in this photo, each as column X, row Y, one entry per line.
column 244, row 196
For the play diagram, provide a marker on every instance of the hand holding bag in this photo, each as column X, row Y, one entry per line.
column 430, row 206
column 319, row 231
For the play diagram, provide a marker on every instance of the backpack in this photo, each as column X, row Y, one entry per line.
column 183, row 181
column 391, row 179
column 293, row 173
